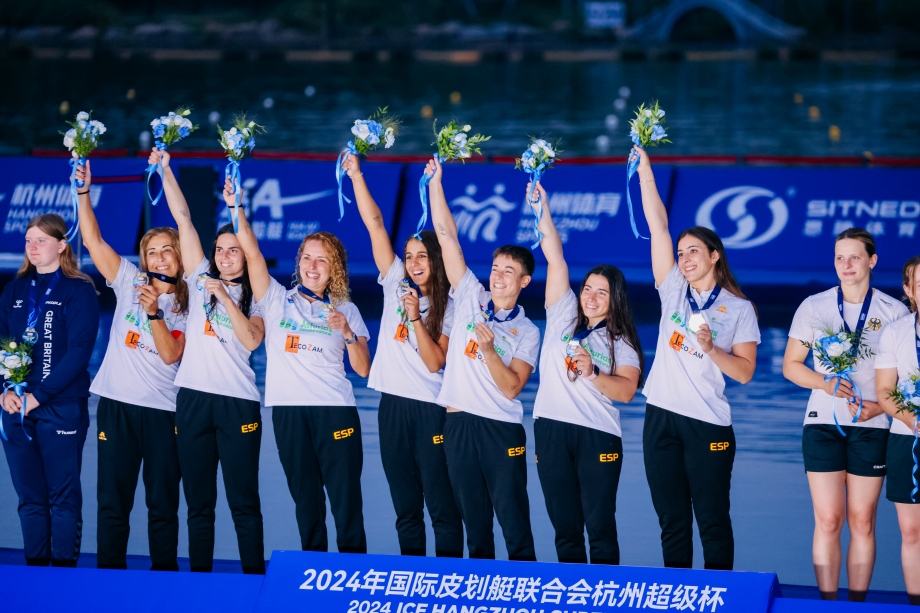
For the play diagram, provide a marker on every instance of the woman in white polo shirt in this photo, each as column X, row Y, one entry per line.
column 899, row 360
column 408, row 372
column 218, row 413
column 708, row 331
column 590, row 358
column 136, row 417
column 843, row 445
column 309, row 329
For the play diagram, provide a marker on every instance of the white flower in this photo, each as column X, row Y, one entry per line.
column 82, row 116
column 186, row 112
column 915, row 401
column 13, row 344
column 155, row 123
column 26, row 360
column 535, row 148
column 82, row 125
column 835, row 350
column 98, row 125
column 390, row 138
column 187, row 123
column 232, row 130
column 549, row 151
column 660, row 113
column 69, row 138
column 647, row 113
column 464, row 153
column 361, row 130
column 252, row 124
column 6, row 374
column 460, row 138
column 467, row 128
column 12, row 361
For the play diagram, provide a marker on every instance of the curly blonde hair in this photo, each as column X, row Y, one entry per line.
column 338, row 265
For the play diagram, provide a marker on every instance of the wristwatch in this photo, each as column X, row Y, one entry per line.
column 353, row 340
column 156, row 316
column 593, row 374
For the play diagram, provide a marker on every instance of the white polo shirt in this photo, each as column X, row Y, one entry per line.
column 132, row 370
column 683, row 379
column 577, row 402
column 215, row 361
column 468, row 384
column 819, row 312
column 897, row 349
column 398, row 369
column 306, row 358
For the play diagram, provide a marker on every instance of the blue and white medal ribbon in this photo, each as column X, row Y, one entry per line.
column 423, row 196
column 843, row 376
column 152, row 170
column 75, row 199
column 232, row 172
column 340, row 174
column 632, row 164
column 913, row 473
column 19, row 391
column 537, row 174
column 860, row 324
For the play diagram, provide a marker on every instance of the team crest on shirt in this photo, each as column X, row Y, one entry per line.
column 513, row 331
column 875, row 324
column 722, row 309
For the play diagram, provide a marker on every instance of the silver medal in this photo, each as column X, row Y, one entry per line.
column 30, row 336
column 696, row 320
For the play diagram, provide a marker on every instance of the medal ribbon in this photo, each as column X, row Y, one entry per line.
column 863, row 313
column 632, row 165
column 34, row 308
column 232, row 172
column 168, row 279
column 306, row 291
column 538, row 214
column 340, row 174
column 489, row 313
column 695, row 308
column 152, row 170
column 913, row 449
column 423, row 196
column 418, row 291
column 19, row 391
column 74, row 198
column 583, row 334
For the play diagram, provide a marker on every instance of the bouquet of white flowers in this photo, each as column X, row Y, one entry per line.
column 646, row 130
column 537, row 158
column 368, row 134
column 839, row 353
column 80, row 140
column 15, row 362
column 238, row 142
column 907, row 396
column 453, row 143
column 167, row 130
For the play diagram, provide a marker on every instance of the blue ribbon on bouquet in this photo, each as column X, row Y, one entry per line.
column 152, row 170
column 423, row 196
column 843, row 376
column 632, row 164
column 538, row 215
column 19, row 391
column 232, row 172
column 75, row 199
column 913, row 473
column 340, row 174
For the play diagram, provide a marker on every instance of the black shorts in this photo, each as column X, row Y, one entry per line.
column 901, row 469
column 861, row 452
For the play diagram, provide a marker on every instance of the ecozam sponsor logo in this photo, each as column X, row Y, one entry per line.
column 750, row 231
column 268, row 196
column 571, row 211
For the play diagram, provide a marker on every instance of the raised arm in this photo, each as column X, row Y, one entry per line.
column 656, row 216
column 445, row 226
column 557, row 271
column 189, row 242
column 370, row 215
column 104, row 257
column 259, row 278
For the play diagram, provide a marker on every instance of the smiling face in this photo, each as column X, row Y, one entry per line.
column 852, row 261
column 314, row 266
column 912, row 289
column 161, row 256
column 595, row 298
column 695, row 260
column 228, row 255
column 507, row 278
column 417, row 263
column 43, row 250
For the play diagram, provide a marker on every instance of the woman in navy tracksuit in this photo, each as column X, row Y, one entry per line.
column 51, row 297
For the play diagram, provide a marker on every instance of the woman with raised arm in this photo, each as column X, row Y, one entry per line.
column 898, row 361
column 52, row 307
column 408, row 372
column 136, row 416
column 843, row 443
column 218, row 413
column 310, row 328
column 591, row 358
column 708, row 331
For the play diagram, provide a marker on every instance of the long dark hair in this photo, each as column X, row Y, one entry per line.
column 723, row 273
column 246, row 297
column 620, row 323
column 54, row 226
column 438, row 284
column 908, row 274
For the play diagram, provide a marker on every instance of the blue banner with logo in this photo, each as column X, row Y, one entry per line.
column 778, row 224
column 588, row 205
column 347, row 583
column 286, row 201
column 35, row 186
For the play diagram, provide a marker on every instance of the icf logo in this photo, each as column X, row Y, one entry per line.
column 480, row 218
column 737, row 199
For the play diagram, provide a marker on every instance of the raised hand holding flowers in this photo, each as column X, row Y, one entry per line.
column 237, row 143
column 368, row 134
column 453, row 142
column 80, row 140
column 537, row 158
column 15, row 363
column 167, row 130
column 646, row 130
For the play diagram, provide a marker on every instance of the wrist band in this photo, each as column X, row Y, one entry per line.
column 416, row 319
column 83, row 193
column 647, row 181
